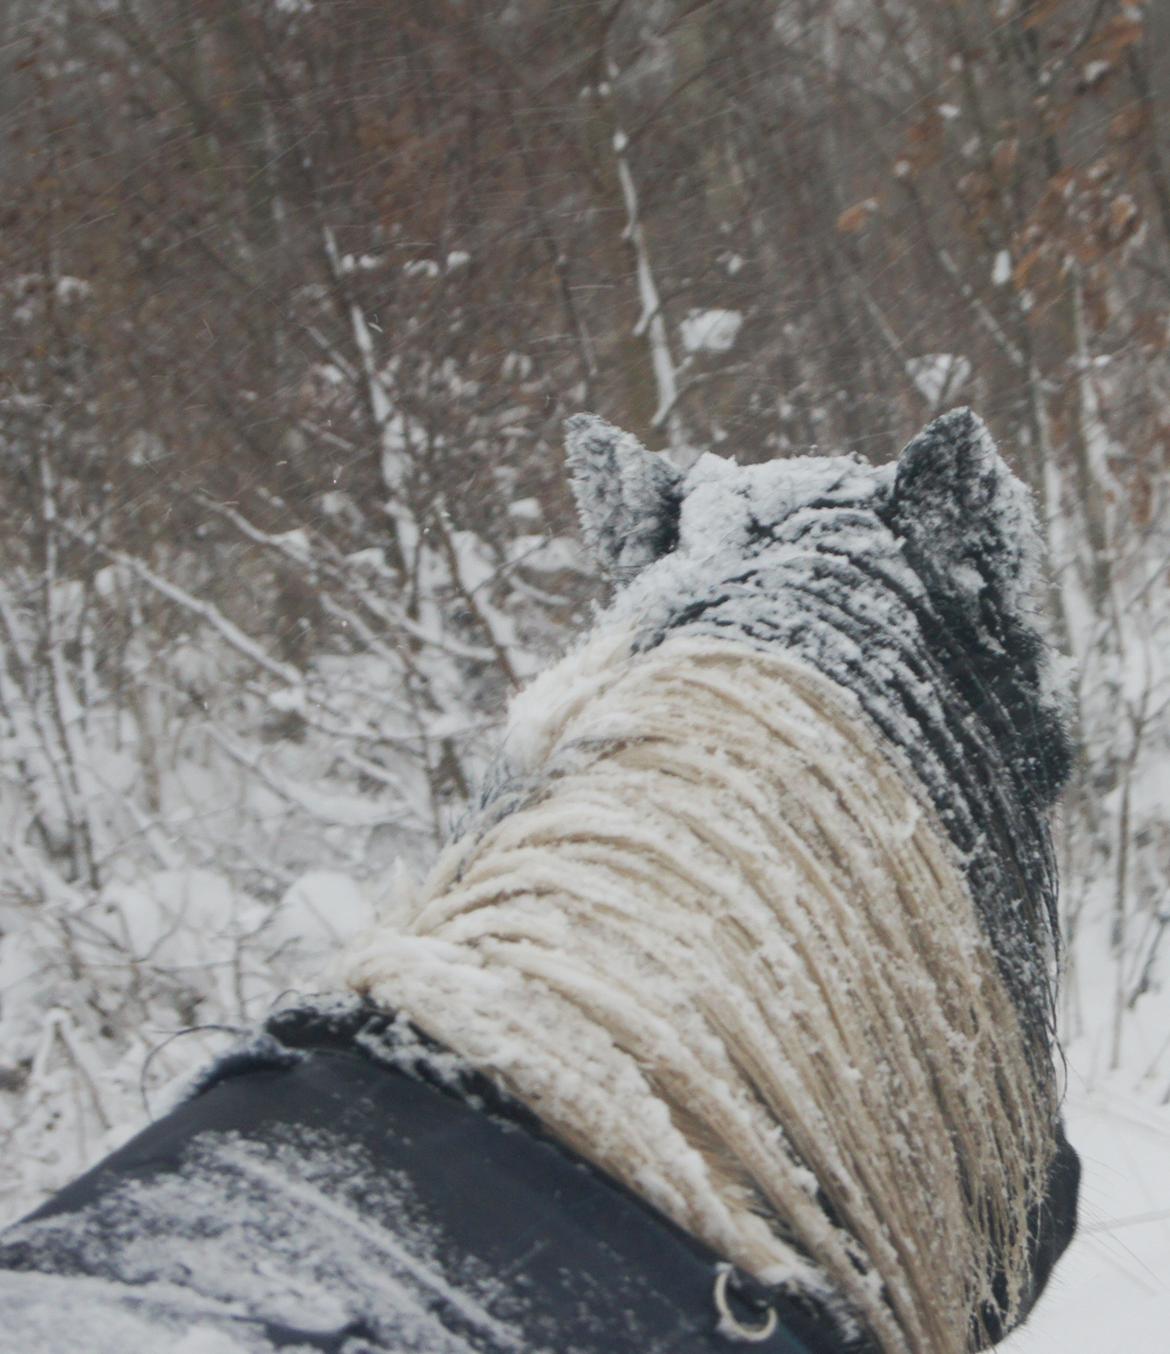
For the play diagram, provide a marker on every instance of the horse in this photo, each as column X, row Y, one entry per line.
column 726, row 1016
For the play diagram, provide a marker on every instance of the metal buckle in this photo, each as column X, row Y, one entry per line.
column 730, row 1325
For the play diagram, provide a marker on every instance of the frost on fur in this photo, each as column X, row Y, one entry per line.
column 967, row 521
column 969, row 530
column 627, row 496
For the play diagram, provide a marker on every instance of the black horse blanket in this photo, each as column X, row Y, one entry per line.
column 340, row 1184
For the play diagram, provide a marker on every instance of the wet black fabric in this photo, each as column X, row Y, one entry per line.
column 579, row 1263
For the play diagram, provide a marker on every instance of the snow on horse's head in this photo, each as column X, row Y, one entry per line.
column 758, row 910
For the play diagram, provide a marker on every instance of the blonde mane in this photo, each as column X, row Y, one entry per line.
column 725, row 951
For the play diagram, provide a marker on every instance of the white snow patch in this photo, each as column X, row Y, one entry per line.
column 939, row 376
column 549, row 554
column 321, row 911
column 72, row 289
column 526, row 510
column 290, row 700
column 710, row 331
column 208, row 1340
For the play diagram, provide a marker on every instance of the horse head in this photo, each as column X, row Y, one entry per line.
column 757, row 911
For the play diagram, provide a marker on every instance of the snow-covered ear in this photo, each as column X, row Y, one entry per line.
column 627, row 497
column 967, row 522
column 969, row 531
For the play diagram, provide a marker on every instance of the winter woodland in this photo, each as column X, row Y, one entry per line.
column 295, row 296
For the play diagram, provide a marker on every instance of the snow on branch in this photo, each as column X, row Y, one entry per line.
column 652, row 321
column 206, row 611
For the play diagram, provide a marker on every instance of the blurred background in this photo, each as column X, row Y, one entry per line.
column 294, row 297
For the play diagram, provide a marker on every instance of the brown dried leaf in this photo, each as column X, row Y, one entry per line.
column 1124, row 219
column 1096, row 303
column 1024, row 273
column 854, row 219
column 1004, row 157
column 1087, row 249
column 1119, row 33
column 978, row 189
column 1141, row 497
column 1149, row 331
column 927, row 131
column 1041, row 12
column 1130, row 122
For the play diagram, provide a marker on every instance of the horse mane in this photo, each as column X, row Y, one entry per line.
column 715, row 936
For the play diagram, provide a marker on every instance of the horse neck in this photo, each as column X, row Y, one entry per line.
column 726, row 953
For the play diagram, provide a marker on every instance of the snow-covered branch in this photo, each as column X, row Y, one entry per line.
column 652, row 320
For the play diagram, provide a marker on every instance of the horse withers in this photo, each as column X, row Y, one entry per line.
column 726, row 1017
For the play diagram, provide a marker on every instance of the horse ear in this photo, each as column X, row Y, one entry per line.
column 967, row 523
column 627, row 497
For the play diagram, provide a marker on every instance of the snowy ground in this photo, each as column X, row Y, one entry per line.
column 1112, row 1289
